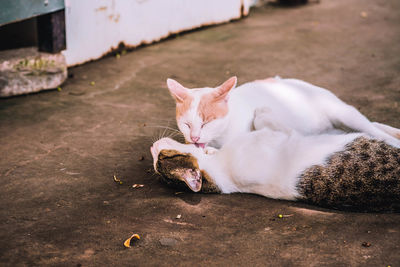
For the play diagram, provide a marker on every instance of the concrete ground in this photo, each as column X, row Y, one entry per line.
column 59, row 205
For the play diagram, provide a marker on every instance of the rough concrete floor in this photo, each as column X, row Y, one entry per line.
column 59, row 205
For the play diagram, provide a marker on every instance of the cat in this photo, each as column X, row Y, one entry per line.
column 210, row 117
column 349, row 171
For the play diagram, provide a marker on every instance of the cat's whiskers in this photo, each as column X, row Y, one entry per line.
column 165, row 133
column 164, row 127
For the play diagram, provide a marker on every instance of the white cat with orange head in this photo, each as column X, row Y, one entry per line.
column 213, row 116
column 201, row 112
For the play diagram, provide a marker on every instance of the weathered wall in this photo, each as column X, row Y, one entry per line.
column 96, row 27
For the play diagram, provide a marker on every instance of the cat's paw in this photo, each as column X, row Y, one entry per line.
column 264, row 118
column 210, row 150
column 164, row 143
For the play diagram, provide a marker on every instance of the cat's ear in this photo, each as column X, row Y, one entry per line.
column 223, row 90
column 178, row 92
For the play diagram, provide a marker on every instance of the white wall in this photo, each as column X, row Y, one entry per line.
column 95, row 27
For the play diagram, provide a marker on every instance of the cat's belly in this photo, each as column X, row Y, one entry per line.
column 363, row 177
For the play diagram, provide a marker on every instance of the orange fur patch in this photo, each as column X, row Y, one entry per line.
column 398, row 136
column 210, row 109
column 268, row 80
column 182, row 108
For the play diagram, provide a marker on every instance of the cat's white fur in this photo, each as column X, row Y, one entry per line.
column 264, row 162
column 293, row 104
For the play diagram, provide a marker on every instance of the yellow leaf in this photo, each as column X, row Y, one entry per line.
column 118, row 181
column 127, row 242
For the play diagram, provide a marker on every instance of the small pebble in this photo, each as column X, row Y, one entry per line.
column 366, row 244
column 364, row 14
column 168, row 242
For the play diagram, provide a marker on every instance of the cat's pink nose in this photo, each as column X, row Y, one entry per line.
column 195, row 138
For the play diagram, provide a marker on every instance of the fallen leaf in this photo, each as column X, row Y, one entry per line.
column 129, row 242
column 178, row 216
column 285, row 215
column 92, row 83
column 137, row 185
column 117, row 55
column 118, row 181
column 59, row 89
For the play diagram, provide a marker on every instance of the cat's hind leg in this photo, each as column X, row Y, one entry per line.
column 395, row 132
column 179, row 166
column 349, row 117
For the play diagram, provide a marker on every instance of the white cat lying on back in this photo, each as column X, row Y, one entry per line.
column 213, row 116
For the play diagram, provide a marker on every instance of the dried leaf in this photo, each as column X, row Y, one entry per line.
column 118, row 181
column 129, row 242
column 137, row 185
column 178, row 216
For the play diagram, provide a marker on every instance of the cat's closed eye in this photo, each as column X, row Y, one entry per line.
column 188, row 125
column 204, row 124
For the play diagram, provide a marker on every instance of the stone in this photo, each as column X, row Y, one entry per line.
column 25, row 70
column 168, row 242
